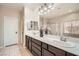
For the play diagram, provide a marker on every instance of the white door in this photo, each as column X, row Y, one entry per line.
column 10, row 30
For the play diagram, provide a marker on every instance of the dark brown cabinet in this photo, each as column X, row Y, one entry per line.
column 44, row 45
column 30, row 44
column 36, row 45
column 70, row 54
column 38, row 48
column 56, row 51
column 37, row 51
column 27, row 41
column 36, row 41
column 47, row 53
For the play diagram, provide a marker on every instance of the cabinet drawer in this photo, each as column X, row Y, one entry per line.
column 46, row 53
column 34, row 53
column 38, row 52
column 69, row 54
column 37, row 46
column 56, row 51
column 36, row 41
column 44, row 45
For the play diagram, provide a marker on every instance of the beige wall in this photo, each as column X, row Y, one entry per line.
column 1, row 27
column 6, row 11
column 21, row 27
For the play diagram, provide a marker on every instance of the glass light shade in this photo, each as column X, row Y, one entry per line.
column 48, row 10
column 45, row 8
column 52, row 8
column 49, row 6
column 45, row 12
column 40, row 13
column 41, row 10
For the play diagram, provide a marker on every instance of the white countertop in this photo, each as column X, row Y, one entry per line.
column 49, row 40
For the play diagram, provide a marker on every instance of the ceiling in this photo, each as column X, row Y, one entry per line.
column 19, row 6
column 59, row 8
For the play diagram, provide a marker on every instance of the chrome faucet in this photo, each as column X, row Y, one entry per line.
column 63, row 38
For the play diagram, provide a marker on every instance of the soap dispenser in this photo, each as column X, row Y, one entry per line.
column 41, row 32
column 46, row 30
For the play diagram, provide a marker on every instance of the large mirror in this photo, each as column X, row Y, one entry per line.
column 53, row 27
column 71, row 28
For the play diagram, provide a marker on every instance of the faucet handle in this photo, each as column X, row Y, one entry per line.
column 63, row 38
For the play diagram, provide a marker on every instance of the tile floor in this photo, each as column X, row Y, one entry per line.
column 15, row 50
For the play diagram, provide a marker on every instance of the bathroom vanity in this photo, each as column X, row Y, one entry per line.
column 40, row 46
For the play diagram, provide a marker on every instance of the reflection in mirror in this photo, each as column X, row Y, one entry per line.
column 75, row 27
column 32, row 25
column 53, row 28
column 67, row 27
column 71, row 28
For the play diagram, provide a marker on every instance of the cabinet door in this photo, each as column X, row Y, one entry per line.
column 35, row 51
column 46, row 53
column 36, row 41
column 37, row 46
column 27, row 42
column 44, row 45
column 30, row 44
column 56, row 51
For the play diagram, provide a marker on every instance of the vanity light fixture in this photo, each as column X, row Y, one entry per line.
column 45, row 8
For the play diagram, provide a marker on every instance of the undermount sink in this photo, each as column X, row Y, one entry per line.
column 64, row 44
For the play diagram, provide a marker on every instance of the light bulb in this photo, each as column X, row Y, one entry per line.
column 40, row 13
column 48, row 10
column 52, row 8
column 45, row 8
column 44, row 12
column 49, row 6
column 41, row 10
